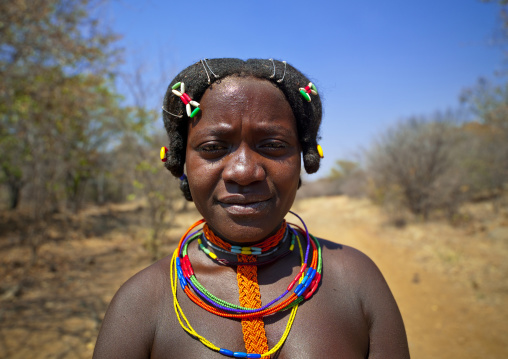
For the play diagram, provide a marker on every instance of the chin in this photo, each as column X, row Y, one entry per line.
column 246, row 229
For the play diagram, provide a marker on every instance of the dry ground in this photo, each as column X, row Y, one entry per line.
column 451, row 283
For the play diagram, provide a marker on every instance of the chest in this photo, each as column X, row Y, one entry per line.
column 330, row 324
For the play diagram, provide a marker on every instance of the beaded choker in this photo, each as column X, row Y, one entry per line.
column 308, row 282
column 267, row 251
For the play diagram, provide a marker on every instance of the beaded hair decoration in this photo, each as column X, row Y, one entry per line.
column 178, row 89
column 307, row 90
column 186, row 99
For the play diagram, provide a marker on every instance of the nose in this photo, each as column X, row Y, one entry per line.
column 244, row 166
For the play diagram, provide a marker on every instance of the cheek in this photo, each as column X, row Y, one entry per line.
column 288, row 174
column 193, row 175
column 202, row 178
column 200, row 191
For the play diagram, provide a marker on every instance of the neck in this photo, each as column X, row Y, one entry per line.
column 265, row 244
column 219, row 240
column 264, row 252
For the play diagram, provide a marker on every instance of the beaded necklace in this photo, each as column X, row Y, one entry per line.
column 181, row 271
column 268, row 251
column 267, row 244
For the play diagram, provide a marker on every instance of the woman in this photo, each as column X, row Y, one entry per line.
column 248, row 284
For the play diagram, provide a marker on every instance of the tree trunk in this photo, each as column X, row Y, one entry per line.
column 14, row 196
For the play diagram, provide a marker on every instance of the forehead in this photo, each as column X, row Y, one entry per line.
column 245, row 98
column 236, row 86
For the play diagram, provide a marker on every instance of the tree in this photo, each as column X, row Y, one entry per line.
column 58, row 105
column 343, row 169
column 416, row 164
column 489, row 106
column 349, row 177
column 57, row 100
column 150, row 179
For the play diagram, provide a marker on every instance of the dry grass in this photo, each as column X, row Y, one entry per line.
column 450, row 282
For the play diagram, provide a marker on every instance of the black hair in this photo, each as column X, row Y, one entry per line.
column 201, row 75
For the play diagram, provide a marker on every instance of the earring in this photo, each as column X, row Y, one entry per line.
column 320, row 151
column 164, row 154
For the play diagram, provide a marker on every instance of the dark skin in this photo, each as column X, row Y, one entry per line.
column 243, row 164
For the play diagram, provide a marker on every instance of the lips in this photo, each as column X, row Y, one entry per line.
column 244, row 204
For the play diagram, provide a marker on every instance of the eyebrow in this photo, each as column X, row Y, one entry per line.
column 276, row 128
column 224, row 129
column 214, row 129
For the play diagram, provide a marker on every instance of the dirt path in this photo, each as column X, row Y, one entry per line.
column 444, row 317
column 450, row 284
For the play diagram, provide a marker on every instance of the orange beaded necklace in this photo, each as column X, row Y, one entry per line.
column 254, row 334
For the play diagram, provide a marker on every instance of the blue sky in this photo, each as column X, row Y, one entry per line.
column 374, row 62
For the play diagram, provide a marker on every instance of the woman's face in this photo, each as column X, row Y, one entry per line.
column 243, row 158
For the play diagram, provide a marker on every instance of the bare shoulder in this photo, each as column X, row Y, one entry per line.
column 359, row 276
column 130, row 323
column 339, row 259
column 146, row 285
column 355, row 271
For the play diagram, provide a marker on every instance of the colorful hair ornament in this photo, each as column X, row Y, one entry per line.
column 164, row 154
column 186, row 99
column 320, row 151
column 309, row 89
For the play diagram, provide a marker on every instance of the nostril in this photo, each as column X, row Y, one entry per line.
column 244, row 170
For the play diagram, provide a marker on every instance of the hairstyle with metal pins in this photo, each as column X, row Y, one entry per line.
column 197, row 80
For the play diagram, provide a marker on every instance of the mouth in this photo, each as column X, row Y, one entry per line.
column 244, row 205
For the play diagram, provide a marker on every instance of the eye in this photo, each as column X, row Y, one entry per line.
column 274, row 147
column 212, row 149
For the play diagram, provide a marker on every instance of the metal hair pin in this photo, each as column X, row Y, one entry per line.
column 203, row 62
column 273, row 62
column 283, row 75
column 172, row 114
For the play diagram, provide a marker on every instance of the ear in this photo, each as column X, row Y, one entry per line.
column 184, row 187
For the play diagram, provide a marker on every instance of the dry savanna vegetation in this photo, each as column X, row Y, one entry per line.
column 449, row 281
column 85, row 202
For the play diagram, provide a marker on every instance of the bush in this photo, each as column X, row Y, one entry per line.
column 418, row 165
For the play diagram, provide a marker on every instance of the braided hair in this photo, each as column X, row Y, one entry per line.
column 203, row 74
